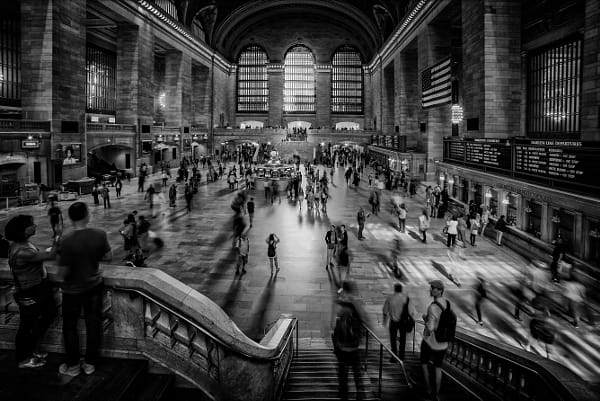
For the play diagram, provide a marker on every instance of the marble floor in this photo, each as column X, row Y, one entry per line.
column 198, row 251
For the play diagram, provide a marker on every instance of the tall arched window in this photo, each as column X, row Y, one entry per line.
column 252, row 81
column 347, row 81
column 299, row 81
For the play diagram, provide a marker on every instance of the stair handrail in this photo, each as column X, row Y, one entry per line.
column 172, row 327
column 382, row 346
column 553, row 380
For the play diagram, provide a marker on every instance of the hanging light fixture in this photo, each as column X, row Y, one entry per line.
column 506, row 199
column 488, row 193
column 451, row 180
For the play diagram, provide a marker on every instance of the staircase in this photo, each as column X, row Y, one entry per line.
column 114, row 380
column 313, row 376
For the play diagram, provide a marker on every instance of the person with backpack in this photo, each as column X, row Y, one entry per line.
column 399, row 311
column 440, row 326
column 272, row 241
column 347, row 328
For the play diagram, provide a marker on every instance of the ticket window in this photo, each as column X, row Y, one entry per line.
column 478, row 195
column 563, row 222
column 534, row 218
column 493, row 203
column 593, row 249
column 464, row 193
column 512, row 208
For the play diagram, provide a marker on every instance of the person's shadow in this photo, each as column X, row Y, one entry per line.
column 256, row 330
column 442, row 269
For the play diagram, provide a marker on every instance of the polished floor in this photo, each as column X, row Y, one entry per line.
column 198, row 251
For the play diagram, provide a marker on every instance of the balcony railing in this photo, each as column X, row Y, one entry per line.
column 152, row 316
column 25, row 125
column 100, row 127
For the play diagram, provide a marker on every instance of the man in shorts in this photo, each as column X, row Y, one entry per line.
column 433, row 351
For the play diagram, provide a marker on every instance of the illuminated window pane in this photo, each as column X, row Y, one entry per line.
column 299, row 81
column 252, row 81
column 347, row 81
column 10, row 60
column 553, row 90
column 101, row 82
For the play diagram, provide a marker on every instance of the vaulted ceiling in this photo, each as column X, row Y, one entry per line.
column 228, row 23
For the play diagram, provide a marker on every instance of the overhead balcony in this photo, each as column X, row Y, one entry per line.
column 24, row 126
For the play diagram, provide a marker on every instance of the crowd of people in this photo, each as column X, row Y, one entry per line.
column 309, row 189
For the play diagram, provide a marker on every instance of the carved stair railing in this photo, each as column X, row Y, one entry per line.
column 150, row 315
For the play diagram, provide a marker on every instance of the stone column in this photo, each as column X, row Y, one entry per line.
column 387, row 99
column 275, row 72
column 200, row 95
column 492, row 65
column 135, row 71
column 178, row 83
column 407, row 92
column 590, row 91
column 433, row 46
column 53, row 61
column 323, row 93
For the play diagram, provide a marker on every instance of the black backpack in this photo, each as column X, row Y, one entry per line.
column 446, row 328
column 346, row 334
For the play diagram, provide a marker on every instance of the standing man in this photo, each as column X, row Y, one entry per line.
column 106, row 196
column 396, row 309
column 331, row 241
column 250, row 210
column 150, row 196
column 558, row 252
column 361, row 217
column 79, row 254
column 56, row 218
column 432, row 350
column 188, row 197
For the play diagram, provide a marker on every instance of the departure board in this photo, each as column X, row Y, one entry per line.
column 489, row 153
column 572, row 161
column 456, row 151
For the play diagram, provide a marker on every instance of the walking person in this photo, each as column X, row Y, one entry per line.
column 172, row 195
column 300, row 198
column 349, row 316
column 452, row 231
column 250, row 210
column 105, row 196
column 272, row 241
column 95, row 193
column 485, row 219
column 118, row 187
column 324, row 197
column 56, row 218
column 402, row 218
column 474, row 223
column 432, row 350
column 558, row 253
column 189, row 195
column 500, row 229
column 461, row 228
column 79, row 254
column 575, row 294
column 34, row 294
column 400, row 313
column 331, row 241
column 150, row 192
column 361, row 218
column 243, row 248
column 480, row 294
column 423, row 225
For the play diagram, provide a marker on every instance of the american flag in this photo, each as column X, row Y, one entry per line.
column 436, row 84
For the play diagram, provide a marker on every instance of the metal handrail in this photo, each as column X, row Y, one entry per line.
column 204, row 331
column 382, row 347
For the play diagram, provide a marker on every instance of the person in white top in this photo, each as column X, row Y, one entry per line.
column 402, row 218
column 452, row 229
column 574, row 292
column 424, row 225
column 432, row 350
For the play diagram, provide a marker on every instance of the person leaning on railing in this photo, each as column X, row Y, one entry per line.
column 34, row 293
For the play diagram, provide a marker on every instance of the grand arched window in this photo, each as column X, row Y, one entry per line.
column 299, row 81
column 347, row 81
column 252, row 81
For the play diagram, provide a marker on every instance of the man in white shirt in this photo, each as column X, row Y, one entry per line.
column 393, row 309
column 432, row 350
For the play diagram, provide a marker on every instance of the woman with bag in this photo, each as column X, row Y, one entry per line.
column 34, row 293
column 424, row 225
column 474, row 223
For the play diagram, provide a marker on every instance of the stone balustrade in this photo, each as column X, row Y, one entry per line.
column 148, row 314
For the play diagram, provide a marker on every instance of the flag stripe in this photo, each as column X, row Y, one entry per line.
column 436, row 84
